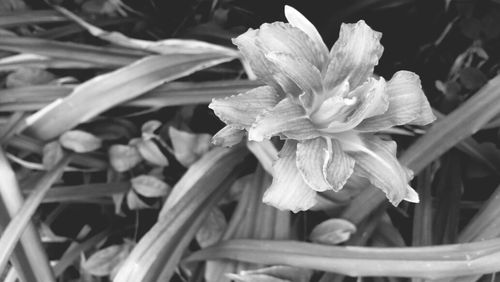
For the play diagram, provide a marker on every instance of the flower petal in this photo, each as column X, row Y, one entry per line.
column 407, row 104
column 260, row 65
column 312, row 157
column 288, row 191
column 298, row 20
column 285, row 38
column 365, row 101
column 306, row 76
column 323, row 164
column 241, row 110
column 411, row 195
column 339, row 167
column 228, row 136
column 277, row 37
column 286, row 118
column 377, row 162
column 354, row 55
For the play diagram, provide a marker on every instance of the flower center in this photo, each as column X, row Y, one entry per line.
column 333, row 109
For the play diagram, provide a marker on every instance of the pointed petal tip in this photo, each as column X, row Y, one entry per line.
column 270, row 199
column 412, row 196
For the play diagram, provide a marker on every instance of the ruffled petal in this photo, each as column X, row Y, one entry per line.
column 298, row 20
column 277, row 37
column 241, row 110
column 377, row 162
column 288, row 191
column 228, row 136
column 323, row 164
column 354, row 55
column 285, row 118
column 339, row 167
column 306, row 76
column 407, row 104
column 312, row 158
column 285, row 38
column 260, row 65
column 365, row 101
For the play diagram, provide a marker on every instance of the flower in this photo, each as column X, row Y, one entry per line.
column 327, row 106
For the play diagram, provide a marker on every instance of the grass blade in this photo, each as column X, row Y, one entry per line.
column 27, row 60
column 20, row 257
column 422, row 221
column 103, row 56
column 33, row 98
column 74, row 253
column 103, row 92
column 425, row 262
column 81, row 193
column 166, row 46
column 160, row 249
column 19, row 222
column 448, row 193
column 485, row 224
column 30, row 258
column 17, row 18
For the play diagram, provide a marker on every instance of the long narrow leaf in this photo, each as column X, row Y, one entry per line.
column 13, row 63
column 166, row 46
column 426, row 262
column 73, row 254
column 81, row 193
column 106, row 57
column 32, row 98
column 21, row 258
column 30, row 259
column 29, row 17
column 160, row 249
column 13, row 231
column 103, row 92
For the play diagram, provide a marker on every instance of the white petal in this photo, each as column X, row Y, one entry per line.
column 354, row 55
column 378, row 163
column 298, row 20
column 288, row 191
column 278, row 37
column 287, row 118
column 305, row 75
column 241, row 110
column 312, row 157
column 363, row 102
column 407, row 104
column 411, row 195
column 339, row 167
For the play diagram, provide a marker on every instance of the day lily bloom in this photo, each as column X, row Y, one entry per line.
column 327, row 106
